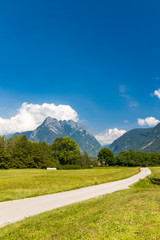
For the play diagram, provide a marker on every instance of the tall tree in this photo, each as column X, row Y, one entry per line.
column 65, row 150
column 4, row 156
column 105, row 155
column 20, row 149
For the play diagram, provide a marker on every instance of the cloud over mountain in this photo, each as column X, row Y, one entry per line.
column 109, row 135
column 150, row 121
column 30, row 116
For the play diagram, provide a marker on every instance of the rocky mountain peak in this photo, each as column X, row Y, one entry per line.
column 49, row 120
column 52, row 128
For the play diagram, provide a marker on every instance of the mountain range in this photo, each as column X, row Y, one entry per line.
column 141, row 139
column 51, row 128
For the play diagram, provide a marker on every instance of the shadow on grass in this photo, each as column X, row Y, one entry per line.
column 155, row 181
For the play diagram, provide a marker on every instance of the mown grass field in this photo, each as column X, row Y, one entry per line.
column 17, row 184
column 128, row 214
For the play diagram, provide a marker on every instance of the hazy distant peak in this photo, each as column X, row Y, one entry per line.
column 139, row 139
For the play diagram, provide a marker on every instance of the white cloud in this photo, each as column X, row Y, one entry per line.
column 157, row 93
column 109, row 135
column 150, row 121
column 30, row 116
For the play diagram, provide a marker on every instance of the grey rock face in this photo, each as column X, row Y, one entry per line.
column 52, row 128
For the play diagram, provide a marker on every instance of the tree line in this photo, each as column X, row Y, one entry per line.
column 18, row 152
column 64, row 153
column 128, row 158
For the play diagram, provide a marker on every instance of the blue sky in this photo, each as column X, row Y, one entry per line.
column 99, row 57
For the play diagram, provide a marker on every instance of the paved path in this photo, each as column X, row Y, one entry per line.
column 13, row 211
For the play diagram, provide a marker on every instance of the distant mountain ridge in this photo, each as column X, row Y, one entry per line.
column 141, row 139
column 52, row 128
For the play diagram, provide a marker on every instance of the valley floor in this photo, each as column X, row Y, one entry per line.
column 24, row 183
column 13, row 211
column 128, row 214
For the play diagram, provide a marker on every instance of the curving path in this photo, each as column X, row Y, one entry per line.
column 13, row 211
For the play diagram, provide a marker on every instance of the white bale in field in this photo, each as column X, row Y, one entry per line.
column 51, row 168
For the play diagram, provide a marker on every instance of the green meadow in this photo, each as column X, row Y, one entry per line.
column 128, row 214
column 23, row 183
